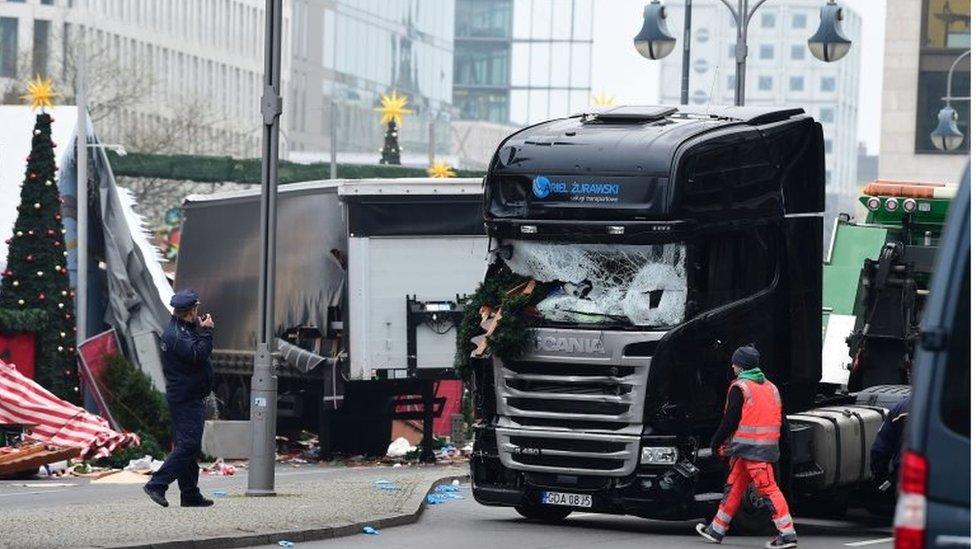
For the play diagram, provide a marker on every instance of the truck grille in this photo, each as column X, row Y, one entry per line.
column 573, row 413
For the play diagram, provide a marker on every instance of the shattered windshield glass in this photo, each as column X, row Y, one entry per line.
column 606, row 284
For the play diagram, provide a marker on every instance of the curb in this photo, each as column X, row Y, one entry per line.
column 299, row 536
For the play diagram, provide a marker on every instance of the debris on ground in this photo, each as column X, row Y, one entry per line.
column 400, row 448
column 286, row 543
column 219, row 493
column 120, row 477
column 144, row 465
column 444, row 493
column 370, row 531
column 219, row 468
column 27, row 458
column 386, row 485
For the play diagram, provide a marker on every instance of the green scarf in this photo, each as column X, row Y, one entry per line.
column 754, row 374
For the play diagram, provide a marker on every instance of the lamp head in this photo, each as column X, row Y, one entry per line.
column 946, row 136
column 654, row 41
column 829, row 44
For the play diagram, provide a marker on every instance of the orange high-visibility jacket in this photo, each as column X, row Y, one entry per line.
column 757, row 436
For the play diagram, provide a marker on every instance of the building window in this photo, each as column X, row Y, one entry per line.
column 796, row 83
column 701, row 35
column 701, row 66
column 766, row 51
column 828, row 84
column 828, row 146
column 8, row 47
column 945, row 24
column 483, row 19
column 799, row 20
column 945, row 35
column 798, row 52
column 826, row 115
column 481, row 64
column 768, row 20
column 765, row 83
column 40, row 52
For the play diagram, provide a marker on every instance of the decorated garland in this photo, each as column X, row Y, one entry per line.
column 509, row 299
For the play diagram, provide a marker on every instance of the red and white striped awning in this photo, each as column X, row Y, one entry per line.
column 55, row 421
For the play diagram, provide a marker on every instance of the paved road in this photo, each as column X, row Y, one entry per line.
column 471, row 526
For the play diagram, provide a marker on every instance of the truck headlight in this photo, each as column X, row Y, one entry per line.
column 659, row 455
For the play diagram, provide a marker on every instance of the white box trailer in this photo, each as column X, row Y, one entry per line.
column 369, row 273
column 418, row 238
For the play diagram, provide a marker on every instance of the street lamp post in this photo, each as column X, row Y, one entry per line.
column 264, row 383
column 946, row 136
column 655, row 42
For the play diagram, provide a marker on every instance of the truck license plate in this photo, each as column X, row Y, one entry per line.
column 569, row 500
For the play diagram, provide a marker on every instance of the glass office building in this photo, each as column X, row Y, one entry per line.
column 355, row 51
column 522, row 61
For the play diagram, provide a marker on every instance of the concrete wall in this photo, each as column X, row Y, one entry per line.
column 897, row 158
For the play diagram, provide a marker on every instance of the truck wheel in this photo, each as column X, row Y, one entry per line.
column 753, row 518
column 543, row 514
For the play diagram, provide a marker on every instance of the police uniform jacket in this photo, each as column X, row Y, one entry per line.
column 186, row 351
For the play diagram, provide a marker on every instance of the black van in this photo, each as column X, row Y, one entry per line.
column 934, row 498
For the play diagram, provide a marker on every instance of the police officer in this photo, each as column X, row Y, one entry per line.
column 749, row 435
column 186, row 345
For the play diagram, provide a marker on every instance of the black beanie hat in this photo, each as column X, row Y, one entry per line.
column 746, row 356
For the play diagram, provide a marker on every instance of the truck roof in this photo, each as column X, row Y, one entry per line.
column 360, row 187
column 623, row 138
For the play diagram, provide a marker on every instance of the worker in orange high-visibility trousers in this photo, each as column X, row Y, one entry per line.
column 749, row 435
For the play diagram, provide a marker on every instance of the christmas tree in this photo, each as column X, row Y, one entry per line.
column 391, row 145
column 393, row 107
column 35, row 293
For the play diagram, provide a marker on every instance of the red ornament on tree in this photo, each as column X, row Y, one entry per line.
column 41, row 296
column 29, row 258
column 57, row 244
column 32, row 176
column 50, row 232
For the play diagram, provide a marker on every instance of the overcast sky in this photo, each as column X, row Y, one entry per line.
column 619, row 71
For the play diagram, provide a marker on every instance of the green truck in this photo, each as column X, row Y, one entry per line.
column 875, row 281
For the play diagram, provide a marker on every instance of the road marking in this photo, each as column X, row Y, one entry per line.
column 30, row 493
column 868, row 542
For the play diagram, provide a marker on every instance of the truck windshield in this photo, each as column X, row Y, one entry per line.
column 606, row 284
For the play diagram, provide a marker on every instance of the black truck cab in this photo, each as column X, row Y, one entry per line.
column 671, row 235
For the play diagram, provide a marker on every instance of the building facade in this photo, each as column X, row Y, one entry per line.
column 522, row 61
column 780, row 70
column 353, row 51
column 161, row 65
column 155, row 68
column 922, row 39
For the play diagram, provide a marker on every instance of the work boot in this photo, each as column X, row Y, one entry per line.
column 706, row 531
column 198, row 501
column 782, row 541
column 158, row 496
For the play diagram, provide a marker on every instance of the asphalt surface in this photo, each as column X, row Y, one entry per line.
column 464, row 523
column 314, row 502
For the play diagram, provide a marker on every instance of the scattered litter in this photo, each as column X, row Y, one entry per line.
column 286, row 543
column 220, row 468
column 386, row 485
column 121, row 477
column 455, row 482
column 220, row 493
column 144, row 464
column 400, row 448
column 448, row 488
column 44, row 485
column 395, row 465
column 370, row 531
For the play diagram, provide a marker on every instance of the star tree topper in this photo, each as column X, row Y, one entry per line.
column 40, row 93
column 393, row 107
column 440, row 169
column 603, row 100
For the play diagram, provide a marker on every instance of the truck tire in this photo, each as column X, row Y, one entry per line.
column 753, row 518
column 543, row 514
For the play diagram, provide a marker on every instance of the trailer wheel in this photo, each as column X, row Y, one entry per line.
column 543, row 514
